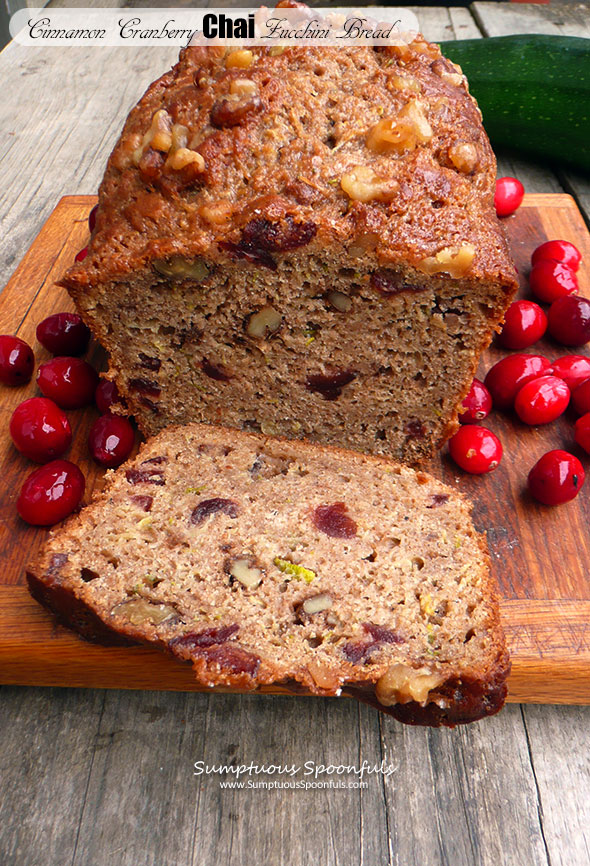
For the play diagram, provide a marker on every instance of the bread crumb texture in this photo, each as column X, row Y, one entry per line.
column 264, row 561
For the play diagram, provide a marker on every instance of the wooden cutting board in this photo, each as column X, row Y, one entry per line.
column 540, row 555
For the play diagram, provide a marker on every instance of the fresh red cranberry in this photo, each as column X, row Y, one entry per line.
column 63, row 334
column 17, row 361
column 40, row 430
column 569, row 320
column 475, row 449
column 508, row 196
column 558, row 251
column 557, row 477
column 581, row 397
column 542, row 400
column 573, row 369
column 552, row 280
column 477, row 405
column 506, row 377
column 525, row 323
column 92, row 218
column 80, row 256
column 582, row 434
column 70, row 382
column 107, row 394
column 50, row 493
column 111, row 440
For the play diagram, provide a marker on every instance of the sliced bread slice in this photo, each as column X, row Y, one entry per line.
column 265, row 561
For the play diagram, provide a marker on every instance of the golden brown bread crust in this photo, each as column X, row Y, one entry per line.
column 274, row 185
column 287, row 159
column 473, row 684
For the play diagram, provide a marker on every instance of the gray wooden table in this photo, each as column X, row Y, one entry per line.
column 107, row 778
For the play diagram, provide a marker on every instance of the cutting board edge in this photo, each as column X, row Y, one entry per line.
column 38, row 652
column 527, row 684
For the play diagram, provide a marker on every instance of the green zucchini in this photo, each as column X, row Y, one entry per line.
column 533, row 92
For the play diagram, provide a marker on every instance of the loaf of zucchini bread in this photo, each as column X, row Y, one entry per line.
column 303, row 242
column 266, row 561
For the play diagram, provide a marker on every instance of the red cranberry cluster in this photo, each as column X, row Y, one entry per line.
column 40, row 428
column 538, row 390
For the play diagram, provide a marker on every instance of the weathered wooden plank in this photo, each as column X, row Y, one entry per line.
column 314, row 826
column 48, row 738
column 375, row 848
column 534, row 176
column 79, row 4
column 80, row 98
column 435, row 22
column 439, row 23
column 501, row 19
column 140, row 802
column 578, row 186
column 560, row 758
column 464, row 24
column 454, row 797
column 462, row 797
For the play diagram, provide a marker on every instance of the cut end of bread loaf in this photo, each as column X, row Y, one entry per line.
column 268, row 562
column 305, row 247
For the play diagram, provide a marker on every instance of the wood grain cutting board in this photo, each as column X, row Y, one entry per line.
column 540, row 556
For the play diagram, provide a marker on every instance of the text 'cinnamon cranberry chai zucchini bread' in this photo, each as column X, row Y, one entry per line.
column 264, row 561
column 301, row 242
